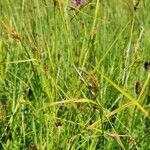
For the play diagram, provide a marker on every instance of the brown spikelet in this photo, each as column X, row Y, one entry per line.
column 93, row 86
column 132, row 140
column 58, row 124
column 34, row 49
column 33, row 147
column 15, row 35
column 137, row 87
column 136, row 5
column 147, row 66
column 11, row 31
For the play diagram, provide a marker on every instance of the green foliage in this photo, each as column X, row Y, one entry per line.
column 68, row 75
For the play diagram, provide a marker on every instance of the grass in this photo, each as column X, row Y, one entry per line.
column 68, row 75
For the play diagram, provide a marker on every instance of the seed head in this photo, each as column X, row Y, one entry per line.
column 147, row 66
column 137, row 87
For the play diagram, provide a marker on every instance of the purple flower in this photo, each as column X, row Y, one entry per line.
column 78, row 2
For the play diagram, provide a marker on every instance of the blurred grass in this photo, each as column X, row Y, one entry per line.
column 68, row 75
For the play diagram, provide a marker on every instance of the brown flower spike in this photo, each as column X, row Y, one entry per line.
column 147, row 66
column 138, row 87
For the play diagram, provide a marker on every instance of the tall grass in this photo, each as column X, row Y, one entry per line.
column 69, row 75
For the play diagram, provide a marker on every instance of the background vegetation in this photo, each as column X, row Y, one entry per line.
column 74, row 77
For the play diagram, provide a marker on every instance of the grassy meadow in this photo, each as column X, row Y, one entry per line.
column 74, row 77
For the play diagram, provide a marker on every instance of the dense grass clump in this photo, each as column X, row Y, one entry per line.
column 74, row 74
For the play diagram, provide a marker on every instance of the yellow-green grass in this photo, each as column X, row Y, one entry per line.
column 68, row 75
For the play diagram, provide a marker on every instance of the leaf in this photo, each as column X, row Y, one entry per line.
column 134, row 101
